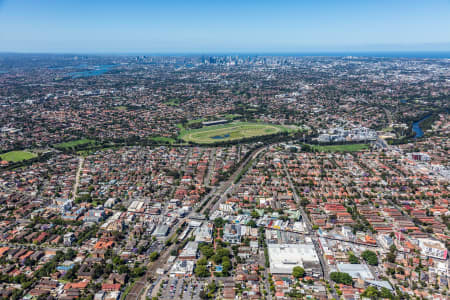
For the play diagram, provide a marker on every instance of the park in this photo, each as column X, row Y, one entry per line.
column 230, row 132
column 17, row 156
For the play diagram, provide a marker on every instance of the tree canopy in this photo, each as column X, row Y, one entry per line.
column 370, row 257
column 298, row 272
column 373, row 293
column 353, row 259
column 341, row 277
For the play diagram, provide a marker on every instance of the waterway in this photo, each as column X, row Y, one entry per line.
column 219, row 137
column 98, row 70
column 416, row 127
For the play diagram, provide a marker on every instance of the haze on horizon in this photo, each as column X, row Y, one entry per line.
column 200, row 26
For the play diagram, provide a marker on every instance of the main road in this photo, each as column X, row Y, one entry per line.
column 137, row 291
column 77, row 177
column 305, row 218
column 228, row 185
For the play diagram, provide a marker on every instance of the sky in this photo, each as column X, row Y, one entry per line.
column 221, row 26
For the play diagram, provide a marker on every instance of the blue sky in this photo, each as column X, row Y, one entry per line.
column 202, row 26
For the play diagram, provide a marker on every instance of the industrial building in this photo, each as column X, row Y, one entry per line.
column 284, row 257
column 204, row 233
column 182, row 268
column 217, row 122
column 356, row 271
column 189, row 251
column 161, row 231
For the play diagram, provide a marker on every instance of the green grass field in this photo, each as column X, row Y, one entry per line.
column 163, row 139
column 229, row 132
column 16, row 156
column 74, row 143
column 196, row 121
column 173, row 102
column 232, row 116
column 341, row 148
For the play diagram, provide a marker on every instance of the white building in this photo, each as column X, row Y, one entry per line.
column 226, row 207
column 69, row 238
column 232, row 233
column 433, row 248
column 204, row 233
column 135, row 206
column 284, row 257
column 182, row 268
column 385, row 241
column 110, row 202
column 189, row 251
column 299, row 227
column 356, row 271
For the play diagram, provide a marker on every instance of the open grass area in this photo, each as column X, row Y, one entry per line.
column 341, row 148
column 16, row 156
column 232, row 116
column 173, row 102
column 74, row 143
column 163, row 139
column 229, row 132
column 196, row 121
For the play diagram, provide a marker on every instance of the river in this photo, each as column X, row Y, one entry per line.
column 416, row 127
column 98, row 70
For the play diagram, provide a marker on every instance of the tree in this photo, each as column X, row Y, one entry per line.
column 203, row 295
column 43, row 296
column 392, row 254
column 251, row 223
column 219, row 222
column 341, row 277
column 207, row 250
column 391, row 257
column 108, row 269
column 212, row 287
column 370, row 257
column 116, row 260
column 385, row 293
column 217, row 258
column 70, row 254
column 123, row 269
column 226, row 266
column 223, row 252
column 138, row 272
column 72, row 273
column 353, row 259
column 304, row 202
column 372, row 293
column 201, row 271
column 298, row 272
column 154, row 256
column 98, row 271
column 392, row 248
